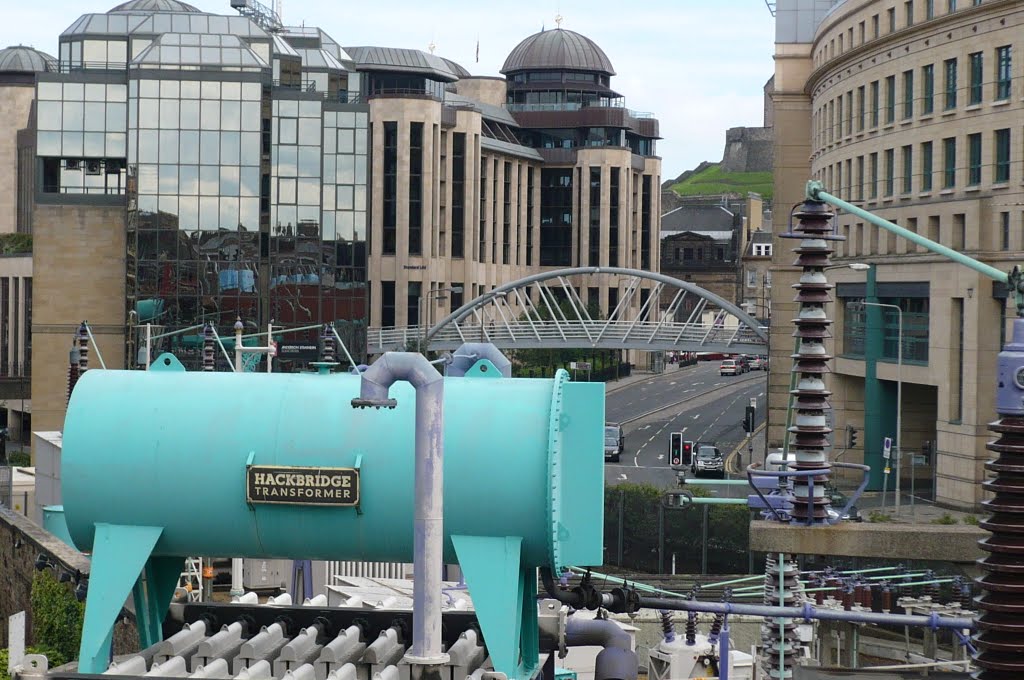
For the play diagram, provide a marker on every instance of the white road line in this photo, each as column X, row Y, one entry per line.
column 760, row 394
column 651, row 439
column 696, row 416
column 622, row 478
column 684, row 429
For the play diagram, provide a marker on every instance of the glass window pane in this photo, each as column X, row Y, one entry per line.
column 249, row 181
column 189, row 114
column 149, row 113
column 51, row 91
column 209, row 148
column 188, row 213
column 230, row 115
column 148, row 146
column 49, row 115
column 309, row 109
column 210, row 89
column 288, row 131
column 115, row 144
column 249, row 213
column 286, row 191
column 48, row 144
column 116, row 117
column 189, row 89
column 209, row 180
column 168, row 179
column 231, row 91
column 95, row 114
column 209, row 213
column 361, row 140
column 309, row 192
column 73, row 114
column 229, row 147
column 188, row 180
column 289, row 108
column 309, row 131
column 95, row 52
column 309, row 161
column 168, row 146
column 346, row 170
column 169, row 113
column 287, row 161
column 188, row 146
column 228, row 180
column 149, row 88
column 209, row 118
column 251, row 91
column 345, row 198
column 93, row 145
column 117, row 52
column 346, row 141
column 117, row 93
column 71, row 144
column 148, row 179
column 250, row 116
column 250, row 142
column 95, row 92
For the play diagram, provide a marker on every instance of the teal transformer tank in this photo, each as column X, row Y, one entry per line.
column 157, row 466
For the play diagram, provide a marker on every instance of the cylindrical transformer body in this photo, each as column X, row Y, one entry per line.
column 170, row 449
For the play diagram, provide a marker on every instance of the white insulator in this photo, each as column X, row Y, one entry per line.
column 813, row 276
column 810, row 383
column 247, row 598
column 282, row 600
column 813, row 313
column 803, row 419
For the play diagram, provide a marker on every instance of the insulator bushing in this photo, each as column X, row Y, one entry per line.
column 716, row 627
column 886, row 598
column 667, row 627
column 209, row 358
column 780, row 648
column 1000, row 635
column 82, row 337
column 327, row 345
column 810, row 431
column 691, row 628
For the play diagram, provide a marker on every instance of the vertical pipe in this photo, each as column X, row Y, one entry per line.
column 238, row 344
column 899, row 407
column 236, row 562
column 622, row 503
column 723, row 651
column 661, row 538
column 149, row 342
column 270, row 345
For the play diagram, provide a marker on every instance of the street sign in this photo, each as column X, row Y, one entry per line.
column 753, row 402
column 887, row 448
column 920, row 459
column 583, row 365
column 887, row 470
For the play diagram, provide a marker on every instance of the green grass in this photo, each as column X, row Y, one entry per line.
column 713, row 181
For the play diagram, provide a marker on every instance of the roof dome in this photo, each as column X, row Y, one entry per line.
column 155, row 6
column 21, row 58
column 558, row 49
column 457, row 69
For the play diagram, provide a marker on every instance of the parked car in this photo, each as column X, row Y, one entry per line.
column 708, row 461
column 730, row 367
column 614, row 442
column 756, row 364
column 744, row 362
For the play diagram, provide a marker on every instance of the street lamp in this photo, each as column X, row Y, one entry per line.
column 436, row 294
column 899, row 391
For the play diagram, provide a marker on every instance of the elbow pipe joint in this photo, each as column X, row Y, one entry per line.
column 389, row 369
column 469, row 353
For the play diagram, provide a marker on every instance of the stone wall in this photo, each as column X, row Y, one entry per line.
column 21, row 543
column 748, row 149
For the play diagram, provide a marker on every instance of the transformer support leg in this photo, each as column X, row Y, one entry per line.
column 118, row 555
column 152, row 594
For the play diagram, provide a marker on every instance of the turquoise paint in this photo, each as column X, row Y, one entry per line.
column 524, row 484
column 54, row 522
column 118, row 555
column 130, row 435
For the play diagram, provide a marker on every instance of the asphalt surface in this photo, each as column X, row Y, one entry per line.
column 696, row 401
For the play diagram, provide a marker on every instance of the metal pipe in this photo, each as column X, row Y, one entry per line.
column 223, row 349
column 94, row 345
column 149, row 341
column 341, row 343
column 428, row 522
column 817, row 193
column 723, row 651
column 808, row 612
column 716, row 482
column 617, row 660
column 466, row 356
column 236, row 562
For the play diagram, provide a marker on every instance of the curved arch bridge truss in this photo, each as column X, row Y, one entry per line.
column 652, row 312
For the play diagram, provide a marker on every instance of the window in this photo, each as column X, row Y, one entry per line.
column 929, row 9
column 892, row 19
column 926, row 166
column 977, row 78
column 908, row 11
column 458, row 213
column 387, row 303
column 849, row 112
column 890, row 171
column 1002, row 156
column 1004, row 221
column 529, row 217
column 874, row 176
column 390, row 215
column 595, row 217
column 951, row 6
column 861, row 108
column 1003, row 68
column 974, row 159
column 863, row 33
column 413, row 295
column 874, row 25
column 975, row 3
column 415, row 188
column 950, row 70
column 860, row 178
column 874, row 103
column 613, row 219
column 949, row 162
column 908, row 94
column 928, row 85
column 890, row 99
column 908, row 169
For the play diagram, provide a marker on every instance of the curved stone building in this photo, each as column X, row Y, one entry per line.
column 914, row 112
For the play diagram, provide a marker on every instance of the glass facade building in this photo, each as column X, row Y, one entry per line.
column 240, row 157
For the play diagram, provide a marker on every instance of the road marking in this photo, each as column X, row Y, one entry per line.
column 696, row 416
column 688, row 391
column 700, row 383
column 645, row 427
column 662, row 457
column 672, row 383
column 651, row 439
column 684, row 430
column 760, row 394
column 622, row 478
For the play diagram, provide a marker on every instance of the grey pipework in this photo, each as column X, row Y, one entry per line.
column 617, row 661
column 428, row 518
column 471, row 352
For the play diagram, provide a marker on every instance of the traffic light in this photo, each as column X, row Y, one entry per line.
column 851, row 436
column 687, row 453
column 676, row 449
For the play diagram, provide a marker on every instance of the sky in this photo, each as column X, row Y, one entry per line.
column 698, row 65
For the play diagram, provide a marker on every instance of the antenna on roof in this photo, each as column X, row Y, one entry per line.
column 431, row 47
column 559, row 19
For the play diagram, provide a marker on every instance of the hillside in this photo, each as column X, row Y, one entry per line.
column 712, row 180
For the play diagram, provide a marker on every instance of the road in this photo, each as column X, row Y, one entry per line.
column 696, row 401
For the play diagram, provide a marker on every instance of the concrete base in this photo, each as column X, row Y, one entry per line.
column 868, row 539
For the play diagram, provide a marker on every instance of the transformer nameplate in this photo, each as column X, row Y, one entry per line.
column 302, row 485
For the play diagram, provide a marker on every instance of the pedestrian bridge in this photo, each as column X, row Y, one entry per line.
column 545, row 311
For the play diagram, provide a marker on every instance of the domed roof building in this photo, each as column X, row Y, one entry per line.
column 155, row 6
column 559, row 49
column 22, row 59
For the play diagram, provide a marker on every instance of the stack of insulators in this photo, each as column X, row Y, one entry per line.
column 83, row 349
column 72, row 379
column 810, row 429
column 1000, row 626
column 328, row 344
column 208, row 354
column 691, row 628
column 837, row 589
column 819, row 594
column 848, row 598
column 965, row 595
column 780, row 648
column 716, row 627
column 667, row 627
column 886, row 598
column 931, row 589
column 866, row 597
column 858, row 592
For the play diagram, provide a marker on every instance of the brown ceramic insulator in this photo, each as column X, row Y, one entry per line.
column 1000, row 635
column 780, row 648
column 847, row 599
column 809, row 433
column 886, row 600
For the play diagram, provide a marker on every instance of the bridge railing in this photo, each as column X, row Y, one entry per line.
column 524, row 334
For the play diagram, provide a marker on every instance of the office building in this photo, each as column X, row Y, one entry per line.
column 911, row 110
